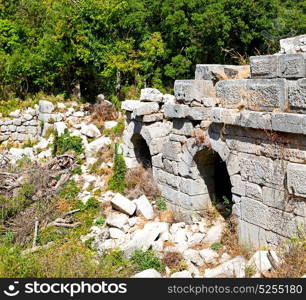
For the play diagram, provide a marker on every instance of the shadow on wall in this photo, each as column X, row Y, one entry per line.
column 142, row 151
column 214, row 173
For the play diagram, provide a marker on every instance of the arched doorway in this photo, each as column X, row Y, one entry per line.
column 142, row 151
column 213, row 171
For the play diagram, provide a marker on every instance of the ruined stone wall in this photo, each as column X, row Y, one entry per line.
column 253, row 120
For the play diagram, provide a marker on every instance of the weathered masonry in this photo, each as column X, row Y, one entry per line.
column 235, row 133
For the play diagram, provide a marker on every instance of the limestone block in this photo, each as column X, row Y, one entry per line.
column 251, row 235
column 15, row 114
column 262, row 170
column 265, row 66
column 151, row 95
column 152, row 118
column 255, row 94
column 253, row 191
column 251, row 209
column 149, row 273
column 193, row 187
column 292, row 66
column 17, row 122
column 297, row 95
column 187, row 171
column 45, row 107
column 157, row 160
column 123, row 204
column 293, row 45
column 175, row 111
column 168, row 179
column 130, row 105
column 238, row 186
column 182, row 127
column 257, row 120
column 286, row 122
column 146, row 109
column 189, row 90
column 296, row 179
column 172, row 150
column 221, row 72
column 144, row 207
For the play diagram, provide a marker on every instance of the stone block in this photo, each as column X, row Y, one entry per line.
column 182, row 127
column 295, row 44
column 221, row 72
column 251, row 209
column 297, row 95
column 172, row 150
column 130, row 105
column 174, row 111
column 253, row 191
column 254, row 94
column 251, row 236
column 193, row 187
column 151, row 95
column 292, row 66
column 296, row 179
column 45, row 107
column 285, row 122
column 152, row 118
column 265, row 66
column 157, row 160
column 189, row 90
column 262, row 170
column 146, row 109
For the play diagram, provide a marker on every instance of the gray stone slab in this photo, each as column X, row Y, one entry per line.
column 292, row 66
column 293, row 45
column 265, row 66
column 297, row 95
column 254, row 94
column 296, row 179
column 189, row 90
column 286, row 122
column 216, row 72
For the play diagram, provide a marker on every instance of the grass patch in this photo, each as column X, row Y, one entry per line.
column 147, row 260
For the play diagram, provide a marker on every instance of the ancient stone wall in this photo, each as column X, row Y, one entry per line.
column 248, row 122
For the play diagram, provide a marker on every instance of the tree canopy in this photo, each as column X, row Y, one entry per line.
column 113, row 46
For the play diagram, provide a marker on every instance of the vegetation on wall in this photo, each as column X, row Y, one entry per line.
column 119, row 46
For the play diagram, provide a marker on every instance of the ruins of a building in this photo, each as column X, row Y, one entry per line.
column 230, row 135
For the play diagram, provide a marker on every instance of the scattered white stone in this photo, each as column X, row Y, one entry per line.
column 166, row 236
column 232, row 268
column 60, row 127
column 144, row 207
column 224, row 257
column 158, row 246
column 116, row 219
column 195, row 238
column 209, row 256
column 123, row 204
column 61, row 105
column 133, row 221
column 27, row 117
column 149, row 273
column 260, row 261
column 79, row 114
column 116, row 233
column 193, row 256
column 176, row 226
column 193, row 269
column 214, row 234
column 107, row 196
column 182, row 274
column 180, row 235
column 15, row 113
column 97, row 145
column 45, row 154
column 144, row 238
column 110, row 124
column 90, row 130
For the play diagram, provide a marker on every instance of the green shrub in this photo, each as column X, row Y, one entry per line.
column 117, row 182
column 115, row 131
column 65, row 143
column 147, row 260
column 100, row 221
column 92, row 203
column 161, row 203
column 69, row 190
column 215, row 246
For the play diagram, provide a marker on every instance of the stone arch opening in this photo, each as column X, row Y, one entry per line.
column 214, row 172
column 142, row 151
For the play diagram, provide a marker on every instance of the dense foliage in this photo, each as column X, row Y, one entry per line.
column 118, row 46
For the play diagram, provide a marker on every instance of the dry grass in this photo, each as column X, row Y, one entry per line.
column 166, row 216
column 174, row 261
column 230, row 241
column 140, row 182
column 103, row 112
column 294, row 259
